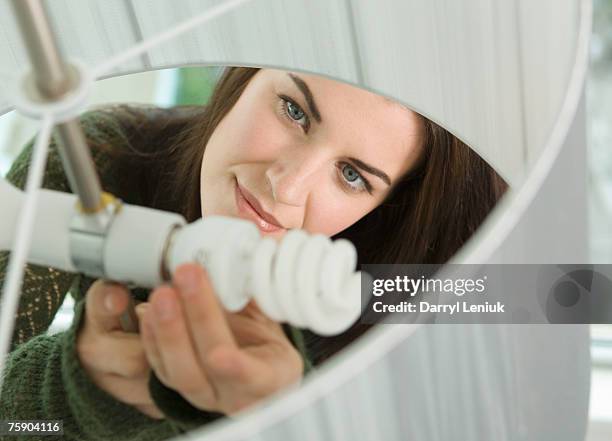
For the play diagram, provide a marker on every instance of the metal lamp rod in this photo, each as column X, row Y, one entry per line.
column 53, row 79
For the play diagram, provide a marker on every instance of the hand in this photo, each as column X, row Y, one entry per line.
column 113, row 359
column 218, row 361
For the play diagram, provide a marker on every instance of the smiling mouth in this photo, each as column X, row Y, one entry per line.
column 249, row 208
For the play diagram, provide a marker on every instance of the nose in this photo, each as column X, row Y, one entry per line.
column 293, row 177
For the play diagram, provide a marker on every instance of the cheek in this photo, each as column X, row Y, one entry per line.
column 330, row 215
column 251, row 135
column 260, row 142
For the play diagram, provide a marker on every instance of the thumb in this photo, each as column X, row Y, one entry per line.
column 105, row 303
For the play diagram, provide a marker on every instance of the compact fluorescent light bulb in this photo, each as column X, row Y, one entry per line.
column 306, row 280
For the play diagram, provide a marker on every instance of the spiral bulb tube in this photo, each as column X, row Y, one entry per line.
column 306, row 280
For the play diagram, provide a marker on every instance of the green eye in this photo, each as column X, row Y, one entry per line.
column 349, row 173
column 294, row 111
column 352, row 179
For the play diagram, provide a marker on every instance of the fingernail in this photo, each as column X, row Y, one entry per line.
column 142, row 307
column 165, row 308
column 109, row 303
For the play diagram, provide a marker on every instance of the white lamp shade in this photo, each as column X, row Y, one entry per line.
column 494, row 73
column 506, row 77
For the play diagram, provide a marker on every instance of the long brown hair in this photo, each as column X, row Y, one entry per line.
column 427, row 217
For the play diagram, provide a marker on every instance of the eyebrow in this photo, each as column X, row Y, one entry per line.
column 372, row 170
column 301, row 84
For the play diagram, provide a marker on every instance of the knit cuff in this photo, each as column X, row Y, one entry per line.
column 296, row 337
column 177, row 409
column 98, row 414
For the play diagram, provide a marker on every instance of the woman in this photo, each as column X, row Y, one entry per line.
column 284, row 150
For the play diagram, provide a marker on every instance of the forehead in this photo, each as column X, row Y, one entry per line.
column 373, row 127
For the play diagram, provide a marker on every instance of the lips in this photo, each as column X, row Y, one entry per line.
column 250, row 208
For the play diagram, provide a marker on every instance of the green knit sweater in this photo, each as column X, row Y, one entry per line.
column 43, row 376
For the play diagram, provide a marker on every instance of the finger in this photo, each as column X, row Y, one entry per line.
column 234, row 366
column 104, row 305
column 253, row 311
column 129, row 319
column 175, row 346
column 205, row 315
column 116, row 353
column 140, row 309
column 148, row 341
column 257, row 370
column 152, row 411
column 249, row 331
column 135, row 393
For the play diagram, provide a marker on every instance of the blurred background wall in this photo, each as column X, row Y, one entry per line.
column 169, row 87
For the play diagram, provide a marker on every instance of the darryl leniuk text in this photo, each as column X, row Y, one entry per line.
column 428, row 300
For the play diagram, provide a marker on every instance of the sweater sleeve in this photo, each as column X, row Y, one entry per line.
column 44, row 380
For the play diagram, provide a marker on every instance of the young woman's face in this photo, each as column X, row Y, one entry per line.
column 302, row 151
